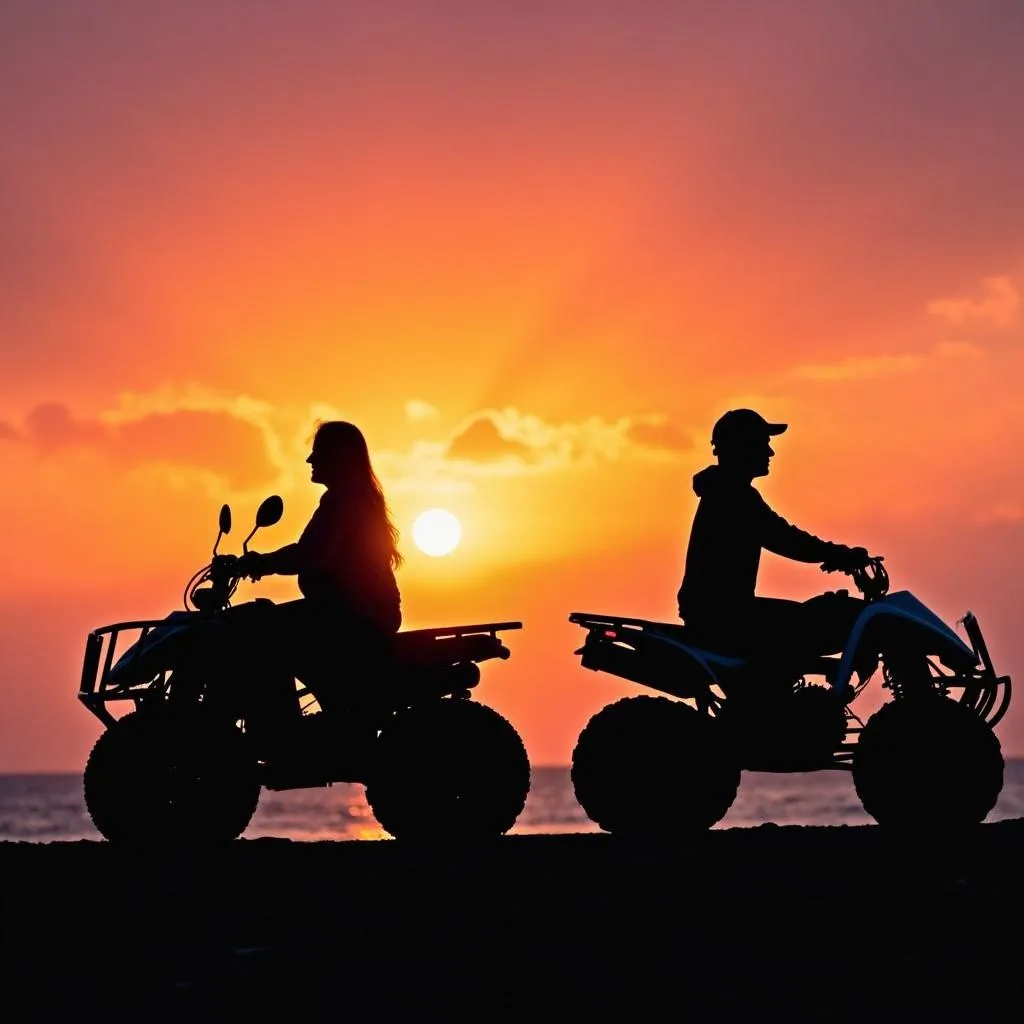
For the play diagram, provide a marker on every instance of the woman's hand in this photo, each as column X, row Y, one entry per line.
column 253, row 565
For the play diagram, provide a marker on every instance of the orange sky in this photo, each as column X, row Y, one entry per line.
column 533, row 250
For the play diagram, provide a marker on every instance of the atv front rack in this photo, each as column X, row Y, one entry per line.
column 986, row 693
column 96, row 686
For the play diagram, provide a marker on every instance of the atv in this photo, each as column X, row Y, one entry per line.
column 202, row 730
column 927, row 759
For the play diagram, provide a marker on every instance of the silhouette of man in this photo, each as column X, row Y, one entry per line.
column 732, row 524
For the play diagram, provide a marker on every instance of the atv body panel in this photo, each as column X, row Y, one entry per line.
column 923, row 630
column 656, row 654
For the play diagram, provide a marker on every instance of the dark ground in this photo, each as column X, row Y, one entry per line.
column 817, row 924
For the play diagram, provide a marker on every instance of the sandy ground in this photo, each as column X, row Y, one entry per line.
column 818, row 924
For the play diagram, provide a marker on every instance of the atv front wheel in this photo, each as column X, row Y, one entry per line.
column 925, row 763
column 157, row 778
column 654, row 765
column 451, row 769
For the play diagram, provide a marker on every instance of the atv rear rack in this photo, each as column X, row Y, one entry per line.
column 443, row 632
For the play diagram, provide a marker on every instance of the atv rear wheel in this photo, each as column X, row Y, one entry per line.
column 927, row 763
column 157, row 778
column 451, row 769
column 654, row 765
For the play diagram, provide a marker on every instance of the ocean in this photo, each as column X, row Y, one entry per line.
column 50, row 808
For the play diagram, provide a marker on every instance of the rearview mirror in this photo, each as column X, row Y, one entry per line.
column 270, row 511
column 225, row 519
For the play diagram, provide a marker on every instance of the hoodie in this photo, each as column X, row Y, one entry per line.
column 731, row 526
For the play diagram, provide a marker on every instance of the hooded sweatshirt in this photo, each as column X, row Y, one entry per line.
column 731, row 526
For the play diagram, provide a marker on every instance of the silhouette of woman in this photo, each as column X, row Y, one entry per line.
column 345, row 561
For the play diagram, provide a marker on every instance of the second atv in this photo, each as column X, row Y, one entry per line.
column 926, row 759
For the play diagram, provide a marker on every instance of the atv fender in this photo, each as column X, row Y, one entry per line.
column 654, row 658
column 903, row 607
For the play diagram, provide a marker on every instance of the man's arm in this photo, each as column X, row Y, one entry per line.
column 783, row 538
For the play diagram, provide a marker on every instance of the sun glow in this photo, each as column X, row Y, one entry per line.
column 436, row 531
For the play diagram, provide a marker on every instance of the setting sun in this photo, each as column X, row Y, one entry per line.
column 436, row 531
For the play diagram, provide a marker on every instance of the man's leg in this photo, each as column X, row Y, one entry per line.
column 830, row 619
column 777, row 629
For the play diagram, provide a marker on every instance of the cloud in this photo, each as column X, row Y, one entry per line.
column 239, row 439
column 860, row 367
column 481, row 440
column 211, row 440
column 503, row 435
column 1001, row 512
column 508, row 442
column 205, row 439
column 658, row 435
column 958, row 349
column 51, row 426
column 7, row 432
column 864, row 367
column 998, row 307
column 419, row 411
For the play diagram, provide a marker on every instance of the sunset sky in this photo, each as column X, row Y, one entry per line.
column 533, row 250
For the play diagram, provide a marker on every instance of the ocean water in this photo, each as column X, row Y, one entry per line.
column 51, row 808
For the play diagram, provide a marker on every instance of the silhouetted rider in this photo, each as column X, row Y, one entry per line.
column 733, row 523
column 345, row 561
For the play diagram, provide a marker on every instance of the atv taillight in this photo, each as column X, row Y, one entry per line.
column 611, row 634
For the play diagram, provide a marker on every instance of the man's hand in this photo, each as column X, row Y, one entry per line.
column 845, row 559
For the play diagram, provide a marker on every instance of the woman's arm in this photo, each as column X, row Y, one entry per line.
column 282, row 562
column 308, row 551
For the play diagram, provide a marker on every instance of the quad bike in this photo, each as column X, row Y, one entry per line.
column 209, row 727
column 927, row 759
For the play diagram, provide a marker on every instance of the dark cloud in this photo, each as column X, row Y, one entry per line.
column 205, row 439
column 51, row 425
column 202, row 439
column 481, row 441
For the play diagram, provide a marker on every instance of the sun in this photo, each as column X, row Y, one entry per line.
column 436, row 531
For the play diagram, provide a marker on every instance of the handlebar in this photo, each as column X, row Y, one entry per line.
column 223, row 568
column 212, row 587
column 871, row 579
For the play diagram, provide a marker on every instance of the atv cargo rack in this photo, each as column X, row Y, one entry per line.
column 96, row 687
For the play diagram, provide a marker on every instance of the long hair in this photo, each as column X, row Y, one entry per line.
column 346, row 447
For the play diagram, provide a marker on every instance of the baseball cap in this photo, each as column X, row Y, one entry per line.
column 743, row 426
